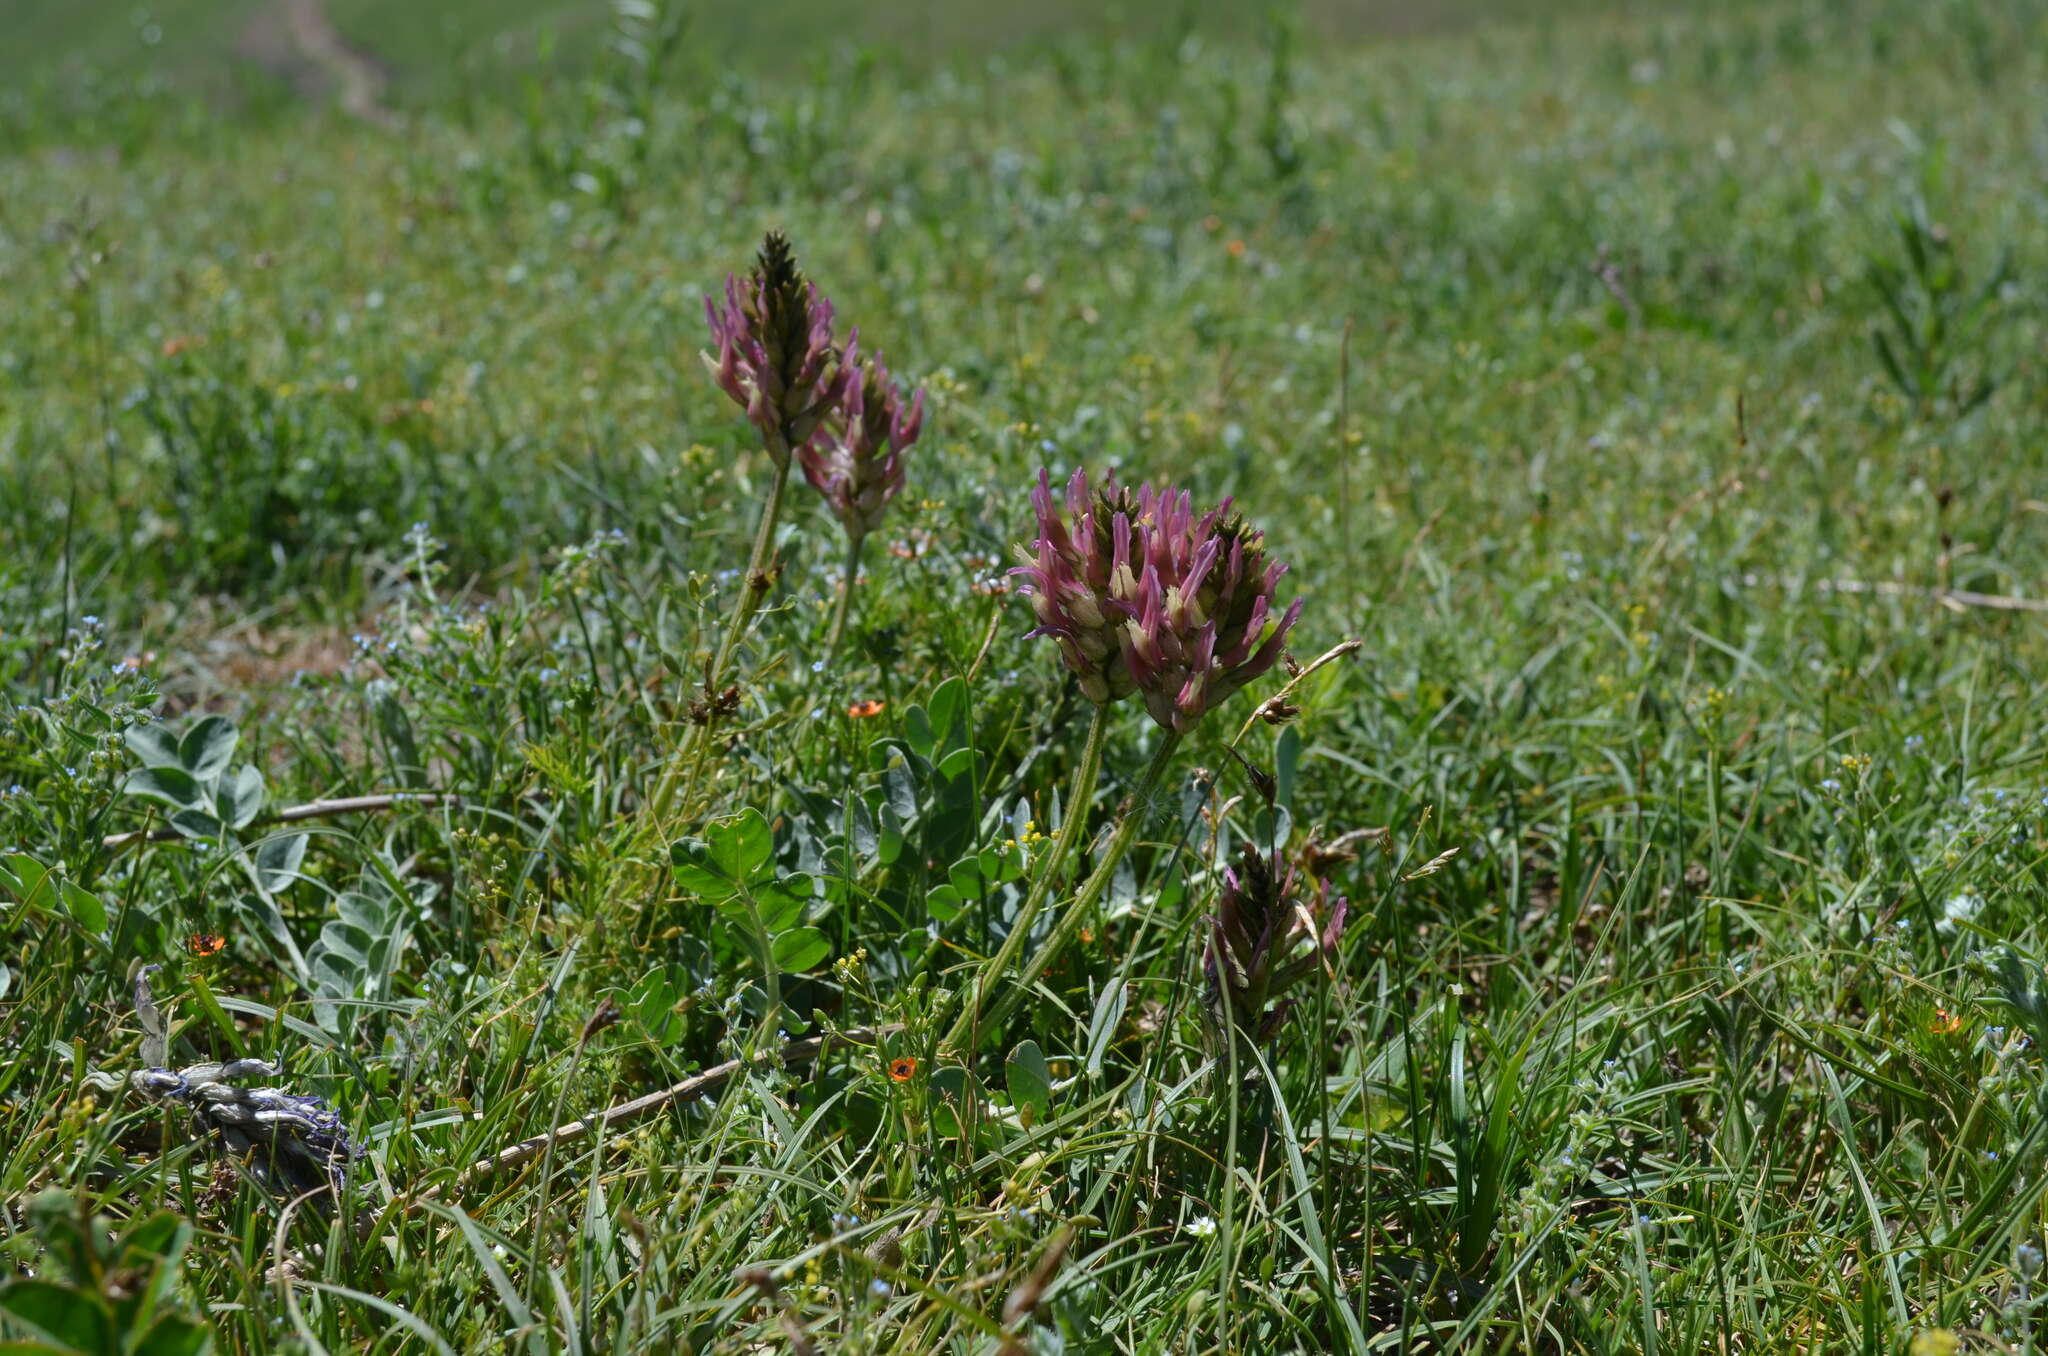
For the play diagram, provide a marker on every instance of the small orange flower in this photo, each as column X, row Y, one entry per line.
column 206, row 943
column 1946, row 1023
column 902, row 1068
column 862, row 710
column 1236, row 248
column 179, row 343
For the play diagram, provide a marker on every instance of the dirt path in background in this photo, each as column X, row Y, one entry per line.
column 297, row 40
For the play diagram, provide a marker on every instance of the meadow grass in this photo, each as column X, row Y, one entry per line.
column 1683, row 487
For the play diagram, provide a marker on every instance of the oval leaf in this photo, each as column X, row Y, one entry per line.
column 800, row 949
column 208, row 747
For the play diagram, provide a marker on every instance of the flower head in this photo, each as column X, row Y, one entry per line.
column 776, row 358
column 1067, row 572
column 1257, row 929
column 1142, row 596
column 855, row 459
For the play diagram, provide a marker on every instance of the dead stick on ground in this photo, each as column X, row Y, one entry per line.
column 319, row 809
column 1953, row 599
column 681, row 1094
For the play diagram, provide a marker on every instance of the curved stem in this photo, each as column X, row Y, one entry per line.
column 1091, row 892
column 853, row 547
column 1078, row 797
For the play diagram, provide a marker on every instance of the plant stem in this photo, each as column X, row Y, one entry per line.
column 1078, row 797
column 853, row 548
column 771, row 974
column 753, row 584
column 1091, row 892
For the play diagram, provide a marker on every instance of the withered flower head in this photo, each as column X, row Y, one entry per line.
column 855, row 459
column 776, row 358
column 293, row 1142
column 1260, row 922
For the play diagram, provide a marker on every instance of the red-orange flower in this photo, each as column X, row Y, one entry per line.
column 206, row 943
column 862, row 710
column 903, row 1068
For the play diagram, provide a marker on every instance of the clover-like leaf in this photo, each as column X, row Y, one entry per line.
column 732, row 855
column 654, row 998
column 800, row 949
column 239, row 797
column 172, row 785
column 208, row 747
column 278, row 859
column 153, row 742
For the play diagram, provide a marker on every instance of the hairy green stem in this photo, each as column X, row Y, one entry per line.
column 1071, row 828
column 1092, row 890
column 853, row 548
column 753, row 585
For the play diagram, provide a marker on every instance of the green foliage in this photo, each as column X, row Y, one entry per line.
column 361, row 950
column 194, row 774
column 1935, row 315
column 1686, row 786
column 105, row 1290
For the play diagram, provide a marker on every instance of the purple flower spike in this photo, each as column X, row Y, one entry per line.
column 855, row 459
column 776, row 358
column 1141, row 596
column 1254, row 937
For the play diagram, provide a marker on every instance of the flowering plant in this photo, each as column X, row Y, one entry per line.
column 1142, row 596
column 776, row 358
column 1254, row 952
column 855, row 458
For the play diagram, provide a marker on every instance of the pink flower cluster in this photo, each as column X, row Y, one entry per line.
column 855, row 459
column 776, row 358
column 1142, row 596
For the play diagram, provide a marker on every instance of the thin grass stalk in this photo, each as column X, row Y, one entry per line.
column 1078, row 797
column 845, row 605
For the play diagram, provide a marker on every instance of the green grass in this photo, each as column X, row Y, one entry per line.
column 1680, row 606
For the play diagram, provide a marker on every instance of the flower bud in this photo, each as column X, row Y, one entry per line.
column 776, row 358
column 1259, row 924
